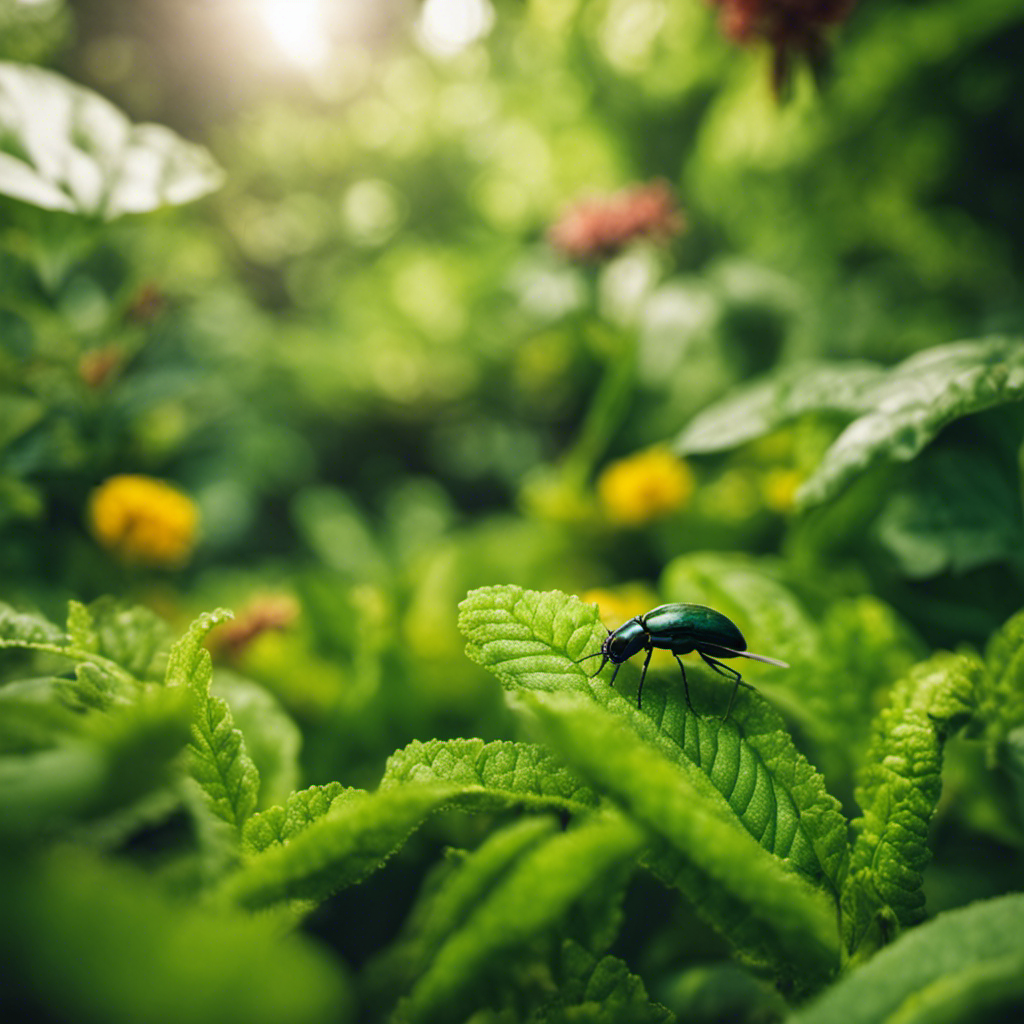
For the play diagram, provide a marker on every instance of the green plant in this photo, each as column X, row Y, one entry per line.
column 730, row 813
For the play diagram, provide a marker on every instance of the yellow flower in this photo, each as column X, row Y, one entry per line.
column 143, row 520
column 644, row 487
column 779, row 487
column 621, row 603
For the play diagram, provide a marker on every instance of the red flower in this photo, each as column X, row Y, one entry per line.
column 601, row 226
column 793, row 28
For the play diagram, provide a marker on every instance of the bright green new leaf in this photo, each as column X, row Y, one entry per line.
column 531, row 898
column 63, row 147
column 898, row 790
column 21, row 628
column 770, row 913
column 218, row 761
column 1001, row 688
column 272, row 739
column 748, row 766
column 967, row 964
column 281, row 824
column 131, row 635
column 897, row 411
column 523, row 773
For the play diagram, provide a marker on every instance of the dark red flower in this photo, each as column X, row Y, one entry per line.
column 794, row 29
column 601, row 226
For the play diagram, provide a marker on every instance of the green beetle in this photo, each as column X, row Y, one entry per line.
column 679, row 628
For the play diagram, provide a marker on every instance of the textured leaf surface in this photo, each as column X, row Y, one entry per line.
column 358, row 834
column 26, row 627
column 1001, row 688
column 531, row 898
column 278, row 825
column 967, row 964
column 63, row 147
column 218, row 761
column 898, row 791
column 898, row 411
column 769, row 912
column 750, row 767
column 521, row 772
column 90, row 941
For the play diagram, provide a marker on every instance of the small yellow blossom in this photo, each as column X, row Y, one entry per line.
column 779, row 487
column 618, row 605
column 644, row 487
column 143, row 520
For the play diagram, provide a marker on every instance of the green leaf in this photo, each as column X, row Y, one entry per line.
column 958, row 510
column 20, row 628
column 132, row 636
column 898, row 411
column 967, row 964
column 63, row 147
column 749, row 765
column 111, row 761
column 272, row 739
column 531, row 898
column 1001, row 688
column 444, row 906
column 90, row 941
column 337, row 850
column 81, row 628
column 279, row 825
column 599, row 990
column 218, row 761
column 898, row 790
column 32, row 717
column 505, row 772
column 768, row 911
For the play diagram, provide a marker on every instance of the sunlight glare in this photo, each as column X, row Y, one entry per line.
column 446, row 27
column 297, row 28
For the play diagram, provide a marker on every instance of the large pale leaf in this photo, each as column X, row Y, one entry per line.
column 895, row 412
column 63, row 147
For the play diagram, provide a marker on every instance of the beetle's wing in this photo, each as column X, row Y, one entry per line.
column 693, row 624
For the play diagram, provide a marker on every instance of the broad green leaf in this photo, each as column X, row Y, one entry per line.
column 769, row 912
column 279, row 825
column 63, row 147
column 519, row 772
column 272, row 739
column 81, row 628
column 966, row 964
column 531, row 898
column 895, row 412
column 218, row 761
column 958, row 510
column 1001, row 688
column 898, row 790
column 748, row 766
column 91, row 941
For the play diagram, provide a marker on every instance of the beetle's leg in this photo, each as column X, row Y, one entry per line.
column 615, row 673
column 729, row 673
column 686, row 686
column 643, row 675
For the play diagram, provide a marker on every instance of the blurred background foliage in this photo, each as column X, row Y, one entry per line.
column 373, row 374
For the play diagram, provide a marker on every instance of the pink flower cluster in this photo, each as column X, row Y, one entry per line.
column 793, row 28
column 601, row 226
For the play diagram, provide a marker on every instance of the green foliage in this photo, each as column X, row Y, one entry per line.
column 895, row 413
column 898, row 792
column 964, row 964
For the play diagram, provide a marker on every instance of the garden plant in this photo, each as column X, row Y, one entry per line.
column 439, row 341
